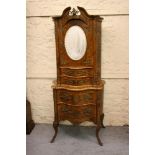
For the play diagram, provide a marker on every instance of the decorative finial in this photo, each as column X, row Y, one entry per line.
column 73, row 12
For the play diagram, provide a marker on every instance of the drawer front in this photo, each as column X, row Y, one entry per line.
column 77, row 72
column 77, row 81
column 77, row 97
column 77, row 114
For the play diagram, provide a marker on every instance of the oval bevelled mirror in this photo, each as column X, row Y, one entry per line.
column 75, row 42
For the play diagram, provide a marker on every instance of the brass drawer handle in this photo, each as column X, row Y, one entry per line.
column 65, row 110
column 87, row 111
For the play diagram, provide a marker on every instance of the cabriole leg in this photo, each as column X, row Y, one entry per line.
column 55, row 126
column 102, row 117
column 97, row 135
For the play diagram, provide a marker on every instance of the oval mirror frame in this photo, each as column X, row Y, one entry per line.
column 75, row 42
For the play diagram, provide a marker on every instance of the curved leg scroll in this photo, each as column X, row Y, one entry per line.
column 55, row 126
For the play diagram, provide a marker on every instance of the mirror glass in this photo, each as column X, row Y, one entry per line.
column 75, row 42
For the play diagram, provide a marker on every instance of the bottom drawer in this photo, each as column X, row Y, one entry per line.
column 77, row 114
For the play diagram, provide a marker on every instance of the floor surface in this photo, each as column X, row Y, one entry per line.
column 77, row 140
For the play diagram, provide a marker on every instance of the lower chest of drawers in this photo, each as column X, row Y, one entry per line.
column 76, row 106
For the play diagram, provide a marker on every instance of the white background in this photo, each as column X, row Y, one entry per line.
column 13, row 77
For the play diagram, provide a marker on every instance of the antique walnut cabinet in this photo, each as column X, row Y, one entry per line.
column 78, row 90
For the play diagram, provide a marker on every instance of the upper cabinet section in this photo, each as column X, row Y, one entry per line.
column 77, row 37
column 78, row 47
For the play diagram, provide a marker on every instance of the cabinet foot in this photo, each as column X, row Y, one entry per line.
column 55, row 126
column 97, row 135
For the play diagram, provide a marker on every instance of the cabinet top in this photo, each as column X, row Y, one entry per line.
column 76, row 13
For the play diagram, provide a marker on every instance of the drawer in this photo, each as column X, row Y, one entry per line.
column 77, row 81
column 76, row 114
column 77, row 97
column 77, row 72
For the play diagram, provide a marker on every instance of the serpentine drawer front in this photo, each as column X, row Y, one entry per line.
column 77, row 97
column 78, row 89
column 77, row 81
column 73, row 72
column 74, row 113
